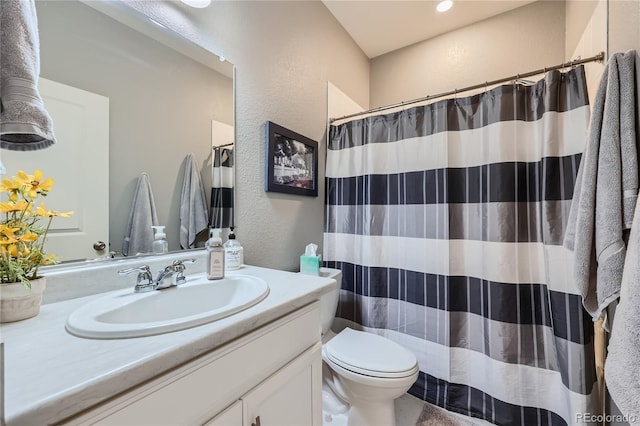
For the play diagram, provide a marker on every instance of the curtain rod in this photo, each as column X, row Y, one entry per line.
column 597, row 58
column 221, row 146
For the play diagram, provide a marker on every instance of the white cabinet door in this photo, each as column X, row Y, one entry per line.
column 79, row 164
column 291, row 397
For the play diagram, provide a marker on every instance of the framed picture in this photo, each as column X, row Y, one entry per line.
column 292, row 162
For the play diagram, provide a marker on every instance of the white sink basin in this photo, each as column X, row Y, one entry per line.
column 124, row 313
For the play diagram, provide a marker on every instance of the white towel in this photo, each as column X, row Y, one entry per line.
column 25, row 125
column 193, row 204
column 621, row 371
column 606, row 189
column 139, row 234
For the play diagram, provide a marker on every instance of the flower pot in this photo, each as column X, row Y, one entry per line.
column 18, row 302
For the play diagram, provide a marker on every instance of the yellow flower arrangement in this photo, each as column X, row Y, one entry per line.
column 22, row 237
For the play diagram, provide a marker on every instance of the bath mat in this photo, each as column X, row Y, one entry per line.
column 436, row 416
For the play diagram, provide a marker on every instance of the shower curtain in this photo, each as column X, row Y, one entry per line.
column 447, row 221
column 222, row 202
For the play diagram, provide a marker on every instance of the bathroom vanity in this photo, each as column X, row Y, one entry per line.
column 260, row 366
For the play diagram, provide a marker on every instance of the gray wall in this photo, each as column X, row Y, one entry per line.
column 284, row 52
column 161, row 104
column 520, row 40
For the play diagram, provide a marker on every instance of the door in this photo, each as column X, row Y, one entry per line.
column 79, row 164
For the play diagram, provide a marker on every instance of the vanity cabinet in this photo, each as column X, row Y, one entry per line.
column 284, row 399
column 270, row 376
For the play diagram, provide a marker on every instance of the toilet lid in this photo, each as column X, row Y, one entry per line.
column 370, row 354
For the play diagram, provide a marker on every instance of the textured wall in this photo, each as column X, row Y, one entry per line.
column 284, row 52
column 520, row 40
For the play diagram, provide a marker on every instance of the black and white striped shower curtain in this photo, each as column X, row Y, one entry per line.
column 447, row 221
column 222, row 201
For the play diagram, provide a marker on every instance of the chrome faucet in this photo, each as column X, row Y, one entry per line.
column 170, row 276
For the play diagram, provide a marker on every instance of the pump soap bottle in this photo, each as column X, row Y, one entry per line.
column 160, row 244
column 215, row 255
column 233, row 253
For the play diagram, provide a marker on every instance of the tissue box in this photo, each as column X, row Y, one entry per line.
column 310, row 264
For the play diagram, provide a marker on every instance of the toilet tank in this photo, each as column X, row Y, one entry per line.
column 329, row 301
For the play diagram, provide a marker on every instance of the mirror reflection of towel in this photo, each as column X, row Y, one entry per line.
column 138, row 233
column 193, row 205
column 25, row 125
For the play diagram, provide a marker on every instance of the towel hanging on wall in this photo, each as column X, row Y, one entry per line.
column 25, row 125
column 621, row 367
column 139, row 235
column 193, row 204
column 606, row 189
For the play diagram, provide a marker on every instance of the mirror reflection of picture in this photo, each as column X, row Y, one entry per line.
column 292, row 161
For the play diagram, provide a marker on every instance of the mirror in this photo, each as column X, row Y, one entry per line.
column 160, row 105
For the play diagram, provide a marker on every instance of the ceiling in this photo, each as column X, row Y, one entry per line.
column 382, row 26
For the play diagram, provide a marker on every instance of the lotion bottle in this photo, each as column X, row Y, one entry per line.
column 215, row 255
column 233, row 253
column 160, row 244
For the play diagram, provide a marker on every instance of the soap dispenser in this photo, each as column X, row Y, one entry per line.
column 233, row 252
column 160, row 244
column 215, row 255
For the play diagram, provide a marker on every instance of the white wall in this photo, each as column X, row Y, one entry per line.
column 284, row 52
column 517, row 41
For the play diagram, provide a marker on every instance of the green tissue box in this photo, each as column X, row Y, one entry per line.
column 310, row 264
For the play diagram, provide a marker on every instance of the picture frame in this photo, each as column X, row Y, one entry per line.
column 291, row 162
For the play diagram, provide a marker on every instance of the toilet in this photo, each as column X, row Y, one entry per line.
column 363, row 373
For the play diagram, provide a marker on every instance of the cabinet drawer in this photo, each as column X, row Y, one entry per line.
column 195, row 392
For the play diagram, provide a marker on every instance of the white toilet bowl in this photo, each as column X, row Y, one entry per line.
column 366, row 372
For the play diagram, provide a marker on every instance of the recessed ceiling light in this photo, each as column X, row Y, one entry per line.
column 443, row 6
column 197, row 3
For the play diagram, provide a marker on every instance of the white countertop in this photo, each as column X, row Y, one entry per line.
column 51, row 374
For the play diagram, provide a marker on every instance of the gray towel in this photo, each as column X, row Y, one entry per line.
column 25, row 125
column 606, row 190
column 621, row 371
column 139, row 234
column 193, row 204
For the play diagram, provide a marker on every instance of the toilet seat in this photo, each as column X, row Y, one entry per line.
column 370, row 355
